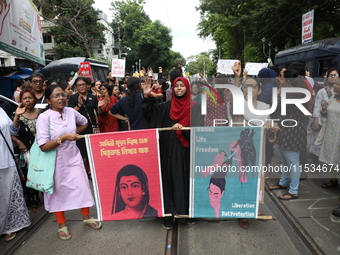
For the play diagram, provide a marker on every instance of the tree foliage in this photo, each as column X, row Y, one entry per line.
column 237, row 26
column 200, row 64
column 141, row 38
column 76, row 26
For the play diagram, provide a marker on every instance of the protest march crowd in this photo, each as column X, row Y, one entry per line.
column 54, row 115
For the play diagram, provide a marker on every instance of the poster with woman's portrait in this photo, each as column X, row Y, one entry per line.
column 225, row 172
column 126, row 174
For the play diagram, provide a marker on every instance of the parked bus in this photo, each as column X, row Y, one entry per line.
column 317, row 56
column 64, row 68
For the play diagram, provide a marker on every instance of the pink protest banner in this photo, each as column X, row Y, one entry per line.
column 126, row 174
column 118, row 68
column 85, row 70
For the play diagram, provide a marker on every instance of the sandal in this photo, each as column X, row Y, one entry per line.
column 336, row 212
column 244, row 223
column 33, row 209
column 93, row 223
column 65, row 230
column 277, row 186
column 288, row 196
column 330, row 184
column 10, row 236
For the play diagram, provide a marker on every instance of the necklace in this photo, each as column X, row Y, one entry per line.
column 30, row 113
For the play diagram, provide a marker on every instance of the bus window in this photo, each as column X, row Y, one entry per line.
column 309, row 66
column 325, row 64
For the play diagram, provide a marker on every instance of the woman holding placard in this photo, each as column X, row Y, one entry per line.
column 177, row 113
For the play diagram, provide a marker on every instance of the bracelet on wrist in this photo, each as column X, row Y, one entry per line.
column 59, row 140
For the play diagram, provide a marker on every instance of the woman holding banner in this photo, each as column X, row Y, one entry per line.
column 177, row 113
column 58, row 127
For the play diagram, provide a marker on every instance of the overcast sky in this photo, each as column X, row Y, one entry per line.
column 180, row 16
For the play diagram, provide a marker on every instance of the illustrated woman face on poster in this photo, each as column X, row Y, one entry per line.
column 131, row 196
column 216, row 191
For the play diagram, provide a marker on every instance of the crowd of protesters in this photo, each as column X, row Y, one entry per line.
column 144, row 102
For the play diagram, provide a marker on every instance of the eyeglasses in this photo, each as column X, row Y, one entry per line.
column 81, row 85
column 37, row 81
column 249, row 85
column 56, row 96
column 333, row 75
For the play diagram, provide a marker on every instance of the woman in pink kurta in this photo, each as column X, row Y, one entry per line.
column 57, row 128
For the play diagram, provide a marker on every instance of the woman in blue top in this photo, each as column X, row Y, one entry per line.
column 129, row 108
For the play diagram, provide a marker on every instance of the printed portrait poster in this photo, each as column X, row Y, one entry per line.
column 126, row 174
column 225, row 176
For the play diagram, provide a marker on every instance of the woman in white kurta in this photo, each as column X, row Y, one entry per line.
column 323, row 95
column 57, row 128
column 13, row 210
column 330, row 149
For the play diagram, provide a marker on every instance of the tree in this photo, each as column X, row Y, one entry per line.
column 76, row 26
column 237, row 26
column 200, row 64
column 141, row 38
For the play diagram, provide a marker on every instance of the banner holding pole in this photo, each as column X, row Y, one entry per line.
column 126, row 174
column 225, row 172
column 20, row 30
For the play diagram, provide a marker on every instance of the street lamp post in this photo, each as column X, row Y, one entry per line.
column 119, row 41
column 264, row 49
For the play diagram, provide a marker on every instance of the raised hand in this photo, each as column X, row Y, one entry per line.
column 237, row 69
column 21, row 109
column 147, row 87
column 101, row 103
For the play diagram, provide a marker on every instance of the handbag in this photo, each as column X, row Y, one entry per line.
column 95, row 127
column 41, row 167
column 14, row 158
column 319, row 138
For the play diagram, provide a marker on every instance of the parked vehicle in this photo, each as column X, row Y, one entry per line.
column 60, row 70
column 317, row 56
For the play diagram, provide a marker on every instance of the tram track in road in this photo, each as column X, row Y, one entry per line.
column 20, row 241
column 299, row 237
column 171, row 244
column 293, row 226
